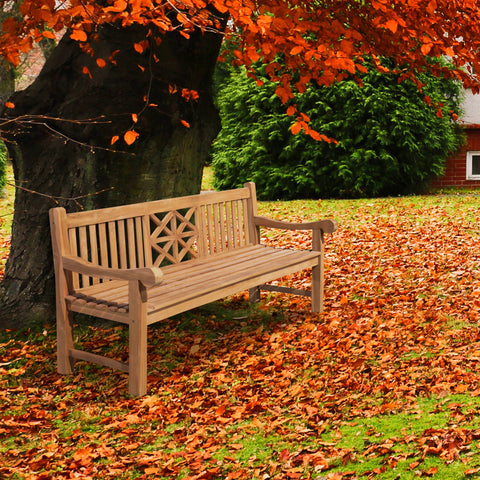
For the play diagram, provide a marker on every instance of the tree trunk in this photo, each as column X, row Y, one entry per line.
column 56, row 161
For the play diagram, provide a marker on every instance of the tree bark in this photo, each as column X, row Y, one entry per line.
column 56, row 161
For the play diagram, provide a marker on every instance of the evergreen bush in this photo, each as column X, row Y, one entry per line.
column 390, row 141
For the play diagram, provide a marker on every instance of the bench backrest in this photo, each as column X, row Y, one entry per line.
column 158, row 232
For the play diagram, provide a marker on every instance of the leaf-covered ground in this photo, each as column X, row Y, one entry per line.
column 384, row 384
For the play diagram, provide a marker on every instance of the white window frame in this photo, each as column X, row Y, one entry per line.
column 470, row 155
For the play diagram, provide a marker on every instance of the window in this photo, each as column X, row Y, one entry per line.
column 473, row 165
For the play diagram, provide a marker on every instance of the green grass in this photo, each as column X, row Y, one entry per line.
column 207, row 180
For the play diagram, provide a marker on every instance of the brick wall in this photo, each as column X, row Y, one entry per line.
column 456, row 167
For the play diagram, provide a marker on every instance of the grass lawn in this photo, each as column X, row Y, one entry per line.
column 384, row 384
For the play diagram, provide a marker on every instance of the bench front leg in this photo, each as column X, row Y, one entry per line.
column 65, row 362
column 317, row 272
column 137, row 354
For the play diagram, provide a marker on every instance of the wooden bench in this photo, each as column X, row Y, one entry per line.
column 141, row 263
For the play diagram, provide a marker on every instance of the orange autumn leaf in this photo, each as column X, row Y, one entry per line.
column 118, row 6
column 295, row 50
column 101, row 62
column 291, row 110
column 130, row 136
column 185, row 123
column 138, row 47
column 392, row 25
column 79, row 35
column 86, row 71
column 9, row 104
column 48, row 34
column 114, row 139
column 83, row 454
column 296, row 127
column 152, row 470
column 472, row 471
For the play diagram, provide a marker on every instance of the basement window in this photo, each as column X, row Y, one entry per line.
column 473, row 165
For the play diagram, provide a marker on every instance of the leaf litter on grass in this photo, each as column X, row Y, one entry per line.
column 385, row 383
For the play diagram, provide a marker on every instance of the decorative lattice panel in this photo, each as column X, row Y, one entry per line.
column 173, row 236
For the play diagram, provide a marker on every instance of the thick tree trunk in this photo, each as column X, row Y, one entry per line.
column 57, row 161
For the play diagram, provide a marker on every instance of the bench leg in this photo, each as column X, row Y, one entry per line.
column 317, row 288
column 317, row 272
column 254, row 294
column 137, row 354
column 65, row 363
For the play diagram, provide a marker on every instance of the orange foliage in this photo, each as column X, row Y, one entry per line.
column 322, row 41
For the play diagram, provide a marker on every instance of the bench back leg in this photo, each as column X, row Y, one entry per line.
column 254, row 294
column 317, row 272
column 137, row 354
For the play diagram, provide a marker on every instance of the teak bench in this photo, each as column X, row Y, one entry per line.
column 141, row 263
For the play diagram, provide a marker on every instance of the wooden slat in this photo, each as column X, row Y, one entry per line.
column 122, row 244
column 132, row 258
column 221, row 221
column 139, row 242
column 146, row 240
column 102, row 236
column 92, row 237
column 235, row 227
column 112, row 240
column 200, row 222
column 216, row 228
column 93, row 257
column 209, row 216
column 245, row 222
column 241, row 225
column 83, row 246
column 228, row 226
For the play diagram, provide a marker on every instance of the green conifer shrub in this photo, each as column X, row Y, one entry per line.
column 390, row 141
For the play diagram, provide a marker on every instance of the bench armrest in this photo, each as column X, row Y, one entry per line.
column 149, row 276
column 327, row 226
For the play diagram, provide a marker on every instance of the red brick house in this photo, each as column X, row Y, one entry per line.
column 463, row 168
